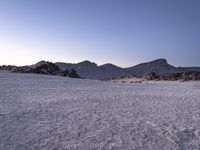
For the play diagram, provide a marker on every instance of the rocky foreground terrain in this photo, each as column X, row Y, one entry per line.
column 179, row 76
column 50, row 112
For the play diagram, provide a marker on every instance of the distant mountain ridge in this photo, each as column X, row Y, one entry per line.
column 91, row 70
column 159, row 66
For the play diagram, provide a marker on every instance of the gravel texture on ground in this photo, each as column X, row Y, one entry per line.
column 40, row 112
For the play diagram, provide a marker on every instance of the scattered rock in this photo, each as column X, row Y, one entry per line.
column 138, row 81
column 182, row 76
column 151, row 76
column 47, row 68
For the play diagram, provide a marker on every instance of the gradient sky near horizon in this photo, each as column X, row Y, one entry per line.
column 122, row 32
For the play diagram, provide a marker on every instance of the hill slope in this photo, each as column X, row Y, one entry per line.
column 87, row 69
column 91, row 70
column 159, row 66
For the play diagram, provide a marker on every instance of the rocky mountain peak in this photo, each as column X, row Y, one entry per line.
column 87, row 63
column 161, row 61
column 38, row 64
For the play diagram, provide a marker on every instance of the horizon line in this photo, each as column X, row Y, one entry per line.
column 148, row 61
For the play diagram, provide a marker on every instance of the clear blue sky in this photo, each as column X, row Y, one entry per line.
column 122, row 32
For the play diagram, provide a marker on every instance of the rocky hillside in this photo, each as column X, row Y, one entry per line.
column 181, row 76
column 42, row 67
column 159, row 66
column 87, row 69
column 91, row 70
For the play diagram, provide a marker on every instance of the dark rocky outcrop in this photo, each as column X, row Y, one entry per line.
column 23, row 69
column 42, row 67
column 185, row 76
column 151, row 76
column 73, row 74
column 39, row 64
column 7, row 67
column 182, row 76
column 48, row 68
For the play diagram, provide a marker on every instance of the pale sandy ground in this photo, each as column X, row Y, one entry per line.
column 39, row 112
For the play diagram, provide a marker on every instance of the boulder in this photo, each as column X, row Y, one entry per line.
column 14, row 69
column 150, row 76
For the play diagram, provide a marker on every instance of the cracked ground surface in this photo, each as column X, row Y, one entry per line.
column 49, row 112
